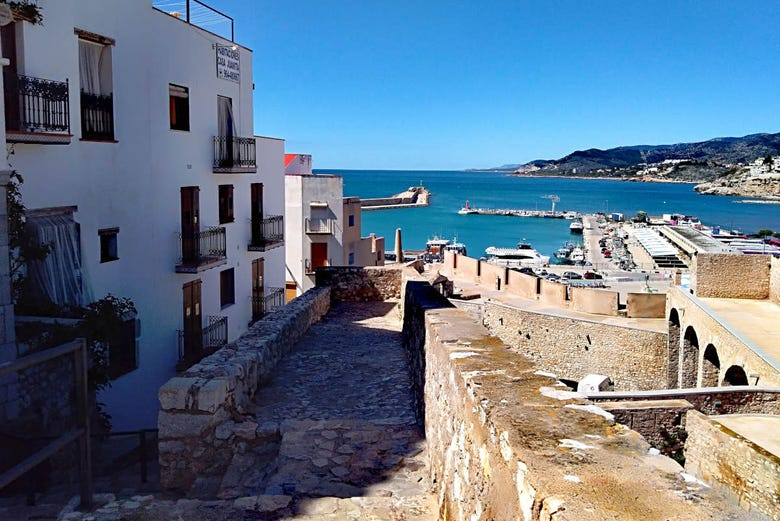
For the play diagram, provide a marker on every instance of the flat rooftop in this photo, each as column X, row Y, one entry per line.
column 688, row 238
column 761, row 429
column 758, row 321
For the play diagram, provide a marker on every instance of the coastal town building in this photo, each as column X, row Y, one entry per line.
column 322, row 227
column 133, row 130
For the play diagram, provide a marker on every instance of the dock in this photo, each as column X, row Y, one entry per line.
column 546, row 214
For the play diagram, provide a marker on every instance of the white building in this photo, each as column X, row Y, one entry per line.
column 322, row 227
column 133, row 130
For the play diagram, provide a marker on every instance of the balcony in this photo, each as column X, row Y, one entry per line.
column 268, row 303
column 317, row 226
column 234, row 155
column 212, row 338
column 37, row 110
column 202, row 250
column 267, row 233
column 97, row 117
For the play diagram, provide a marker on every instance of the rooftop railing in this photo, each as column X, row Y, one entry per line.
column 197, row 13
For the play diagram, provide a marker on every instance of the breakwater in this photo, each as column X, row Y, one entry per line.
column 413, row 197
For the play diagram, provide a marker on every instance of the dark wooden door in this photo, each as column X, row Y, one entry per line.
column 256, row 209
column 190, row 217
column 319, row 254
column 258, row 289
column 193, row 325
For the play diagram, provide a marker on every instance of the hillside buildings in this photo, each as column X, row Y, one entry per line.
column 133, row 130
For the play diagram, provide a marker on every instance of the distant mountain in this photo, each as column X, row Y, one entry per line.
column 694, row 162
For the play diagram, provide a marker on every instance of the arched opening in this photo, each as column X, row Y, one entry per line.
column 690, row 358
column 735, row 375
column 673, row 367
column 710, row 367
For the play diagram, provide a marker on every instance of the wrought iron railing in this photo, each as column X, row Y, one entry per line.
column 234, row 152
column 37, row 104
column 202, row 247
column 319, row 225
column 97, row 116
column 213, row 337
column 269, row 230
column 264, row 304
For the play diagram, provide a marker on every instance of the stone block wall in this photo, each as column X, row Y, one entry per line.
column 646, row 305
column 723, row 400
column 730, row 275
column 596, row 301
column 202, row 421
column 635, row 359
column 774, row 280
column 656, row 420
column 361, row 284
column 728, row 461
column 504, row 444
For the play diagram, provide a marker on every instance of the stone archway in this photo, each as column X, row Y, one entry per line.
column 690, row 359
column 710, row 367
column 673, row 361
column 735, row 375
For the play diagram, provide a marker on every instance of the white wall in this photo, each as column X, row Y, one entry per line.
column 135, row 183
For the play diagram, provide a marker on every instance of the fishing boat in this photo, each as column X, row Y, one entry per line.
column 467, row 210
column 562, row 254
column 523, row 255
column 435, row 248
column 576, row 227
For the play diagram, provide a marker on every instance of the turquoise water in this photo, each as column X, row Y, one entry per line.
column 450, row 190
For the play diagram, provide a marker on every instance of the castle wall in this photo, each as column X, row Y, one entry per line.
column 731, row 275
column 635, row 359
column 646, row 305
column 361, row 284
column 596, row 301
column 522, row 285
column 728, row 461
column 774, row 280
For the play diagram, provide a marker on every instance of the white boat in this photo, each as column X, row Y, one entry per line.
column 467, row 210
column 435, row 248
column 577, row 256
column 564, row 251
column 576, row 227
column 523, row 255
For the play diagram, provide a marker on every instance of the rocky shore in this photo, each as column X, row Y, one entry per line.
column 758, row 180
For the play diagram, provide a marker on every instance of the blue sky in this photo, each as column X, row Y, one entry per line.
column 430, row 84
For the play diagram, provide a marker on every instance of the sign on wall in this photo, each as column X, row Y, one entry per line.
column 228, row 63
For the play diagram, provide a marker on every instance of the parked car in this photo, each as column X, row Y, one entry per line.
column 592, row 275
column 571, row 275
column 553, row 277
column 607, row 254
column 527, row 271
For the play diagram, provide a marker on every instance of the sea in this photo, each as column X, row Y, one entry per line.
column 451, row 189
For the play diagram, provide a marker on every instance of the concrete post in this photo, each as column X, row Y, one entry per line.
column 399, row 251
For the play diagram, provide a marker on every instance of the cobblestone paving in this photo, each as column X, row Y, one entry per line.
column 342, row 439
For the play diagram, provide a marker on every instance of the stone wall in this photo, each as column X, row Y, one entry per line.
column 635, row 359
column 596, row 301
column 728, row 461
column 723, row 400
column 774, row 280
column 657, row 420
column 526, row 286
column 504, row 444
column 730, row 275
column 361, row 284
column 646, row 305
column 202, row 422
column 492, row 275
column 552, row 293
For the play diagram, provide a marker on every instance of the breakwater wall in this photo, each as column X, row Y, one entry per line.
column 413, row 197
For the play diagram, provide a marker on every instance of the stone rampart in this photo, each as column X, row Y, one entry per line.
column 596, row 301
column 505, row 444
column 657, row 420
column 202, row 422
column 552, row 293
column 492, row 275
column 725, row 459
column 730, row 275
column 635, row 359
column 774, row 280
column 467, row 268
column 711, row 401
column 522, row 285
column 361, row 284
column 646, row 305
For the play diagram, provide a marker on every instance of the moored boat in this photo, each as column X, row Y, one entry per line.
column 576, row 227
column 523, row 255
column 467, row 210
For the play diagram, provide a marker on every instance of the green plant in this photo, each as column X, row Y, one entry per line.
column 22, row 246
column 673, row 443
column 764, row 232
column 25, row 9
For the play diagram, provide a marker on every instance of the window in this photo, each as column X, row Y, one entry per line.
column 225, row 204
column 351, row 220
column 123, row 349
column 351, row 258
column 108, row 244
column 179, row 101
column 227, row 289
column 95, row 81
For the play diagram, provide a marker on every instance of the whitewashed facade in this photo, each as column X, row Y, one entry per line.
column 126, row 186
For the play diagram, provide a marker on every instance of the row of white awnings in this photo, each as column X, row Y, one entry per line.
column 655, row 245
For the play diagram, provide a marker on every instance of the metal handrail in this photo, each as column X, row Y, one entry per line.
column 267, row 230
column 41, row 105
column 203, row 247
column 234, row 152
column 319, row 225
column 188, row 15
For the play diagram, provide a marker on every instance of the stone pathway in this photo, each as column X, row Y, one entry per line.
column 342, row 440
